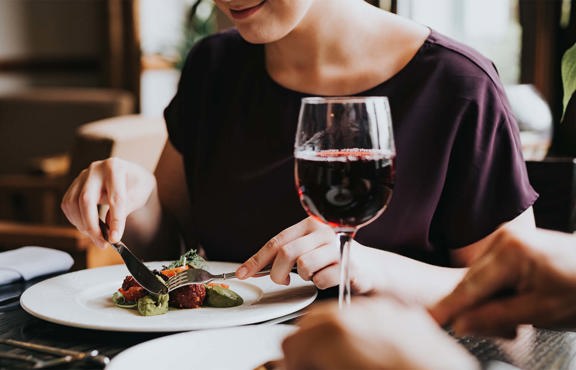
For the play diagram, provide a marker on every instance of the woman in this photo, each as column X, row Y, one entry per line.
column 225, row 179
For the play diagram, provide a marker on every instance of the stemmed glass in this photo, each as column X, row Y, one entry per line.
column 344, row 166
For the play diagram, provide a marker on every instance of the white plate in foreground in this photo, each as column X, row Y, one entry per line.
column 83, row 299
column 232, row 348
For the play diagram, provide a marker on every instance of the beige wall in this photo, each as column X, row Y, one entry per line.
column 33, row 31
column 50, row 28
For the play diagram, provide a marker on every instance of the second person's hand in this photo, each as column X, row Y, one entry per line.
column 120, row 184
column 535, row 269
column 373, row 333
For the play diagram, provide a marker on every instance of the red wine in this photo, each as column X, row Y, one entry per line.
column 345, row 188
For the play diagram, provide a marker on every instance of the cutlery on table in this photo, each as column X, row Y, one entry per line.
column 142, row 274
column 67, row 355
column 200, row 276
column 33, row 362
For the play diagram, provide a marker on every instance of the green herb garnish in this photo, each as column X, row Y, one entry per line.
column 190, row 258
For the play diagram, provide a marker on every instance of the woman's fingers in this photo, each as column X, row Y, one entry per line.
column 317, row 259
column 69, row 203
column 88, row 199
column 262, row 258
column 300, row 252
column 115, row 189
column 286, row 248
column 327, row 277
column 121, row 185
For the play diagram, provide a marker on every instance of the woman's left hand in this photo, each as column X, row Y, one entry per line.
column 309, row 245
column 314, row 249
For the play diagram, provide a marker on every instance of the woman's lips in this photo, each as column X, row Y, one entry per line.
column 244, row 13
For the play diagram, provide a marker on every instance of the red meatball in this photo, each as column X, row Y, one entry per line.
column 189, row 296
column 129, row 282
column 131, row 290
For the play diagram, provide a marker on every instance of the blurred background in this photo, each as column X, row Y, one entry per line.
column 82, row 80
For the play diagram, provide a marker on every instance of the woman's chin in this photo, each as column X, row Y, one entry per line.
column 259, row 36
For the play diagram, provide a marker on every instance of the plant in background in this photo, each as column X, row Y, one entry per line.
column 200, row 22
column 564, row 142
column 568, row 75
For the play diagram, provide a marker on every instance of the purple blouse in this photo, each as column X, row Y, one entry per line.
column 460, row 171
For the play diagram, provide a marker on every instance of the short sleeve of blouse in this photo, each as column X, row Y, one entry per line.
column 180, row 117
column 487, row 182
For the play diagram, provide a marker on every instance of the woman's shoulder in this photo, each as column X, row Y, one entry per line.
column 467, row 73
column 461, row 59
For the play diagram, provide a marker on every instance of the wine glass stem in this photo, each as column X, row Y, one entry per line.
column 344, row 293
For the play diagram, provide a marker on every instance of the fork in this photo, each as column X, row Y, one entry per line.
column 200, row 276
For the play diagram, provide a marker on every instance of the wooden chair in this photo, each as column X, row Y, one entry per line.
column 37, row 131
column 132, row 137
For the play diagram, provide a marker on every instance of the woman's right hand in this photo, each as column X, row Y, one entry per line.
column 122, row 185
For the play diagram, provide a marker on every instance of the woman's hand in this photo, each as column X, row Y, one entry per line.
column 122, row 185
column 372, row 334
column 525, row 277
column 314, row 248
column 310, row 245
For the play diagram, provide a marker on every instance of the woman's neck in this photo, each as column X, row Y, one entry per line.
column 322, row 38
column 341, row 47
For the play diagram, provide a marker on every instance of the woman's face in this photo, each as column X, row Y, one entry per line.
column 264, row 21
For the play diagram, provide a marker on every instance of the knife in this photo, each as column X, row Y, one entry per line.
column 139, row 271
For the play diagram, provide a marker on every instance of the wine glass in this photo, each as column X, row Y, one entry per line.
column 344, row 166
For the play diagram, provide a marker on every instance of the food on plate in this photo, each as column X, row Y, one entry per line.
column 219, row 296
column 150, row 306
column 132, row 295
column 189, row 296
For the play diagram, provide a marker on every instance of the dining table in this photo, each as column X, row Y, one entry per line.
column 532, row 349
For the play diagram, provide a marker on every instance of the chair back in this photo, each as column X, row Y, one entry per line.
column 136, row 138
column 555, row 180
column 40, row 122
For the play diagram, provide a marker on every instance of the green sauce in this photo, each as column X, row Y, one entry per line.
column 217, row 296
column 148, row 306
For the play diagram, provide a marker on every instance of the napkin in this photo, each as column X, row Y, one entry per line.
column 29, row 262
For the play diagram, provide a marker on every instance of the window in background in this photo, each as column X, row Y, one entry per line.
column 161, row 33
column 492, row 27
column 168, row 29
column 489, row 26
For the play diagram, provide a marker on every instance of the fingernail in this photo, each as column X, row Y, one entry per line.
column 242, row 272
column 114, row 236
column 287, row 280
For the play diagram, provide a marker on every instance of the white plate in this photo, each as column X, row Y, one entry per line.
column 84, row 299
column 242, row 348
